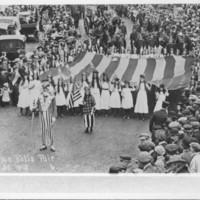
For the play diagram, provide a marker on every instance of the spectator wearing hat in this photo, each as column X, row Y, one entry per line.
column 188, row 130
column 160, row 161
column 144, row 162
column 196, row 131
column 141, row 106
column 195, row 162
column 171, row 152
column 186, row 154
column 159, row 117
column 144, row 137
column 88, row 110
column 125, row 164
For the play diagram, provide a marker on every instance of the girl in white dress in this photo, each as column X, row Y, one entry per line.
column 105, row 95
column 5, row 94
column 127, row 99
column 161, row 96
column 24, row 99
column 60, row 97
column 115, row 100
column 95, row 91
column 141, row 106
column 34, row 90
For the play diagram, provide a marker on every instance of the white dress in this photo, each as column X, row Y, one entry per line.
column 127, row 98
column 6, row 95
column 24, row 98
column 141, row 105
column 115, row 100
column 161, row 97
column 34, row 93
column 105, row 96
column 95, row 91
column 60, row 97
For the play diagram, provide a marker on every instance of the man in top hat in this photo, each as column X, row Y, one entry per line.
column 159, row 117
column 48, row 113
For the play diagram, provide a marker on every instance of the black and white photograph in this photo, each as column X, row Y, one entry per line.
column 111, row 89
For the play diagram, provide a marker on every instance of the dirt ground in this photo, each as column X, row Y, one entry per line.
column 76, row 152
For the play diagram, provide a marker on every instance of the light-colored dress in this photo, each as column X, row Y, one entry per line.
column 161, row 97
column 105, row 96
column 60, row 96
column 34, row 92
column 141, row 105
column 24, row 97
column 6, row 95
column 115, row 100
column 95, row 91
column 127, row 98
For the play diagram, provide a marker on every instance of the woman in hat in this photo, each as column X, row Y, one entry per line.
column 141, row 106
column 95, row 90
column 161, row 96
column 115, row 100
column 34, row 90
column 105, row 94
column 127, row 99
column 24, row 98
column 88, row 110
column 60, row 97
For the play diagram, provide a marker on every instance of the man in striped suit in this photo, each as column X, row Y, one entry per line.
column 47, row 113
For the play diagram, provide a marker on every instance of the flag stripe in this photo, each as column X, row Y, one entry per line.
column 95, row 60
column 169, row 68
column 112, row 67
column 78, row 59
column 188, row 64
column 151, row 65
column 123, row 64
column 130, row 70
column 140, row 69
column 82, row 64
column 159, row 69
column 103, row 65
column 179, row 68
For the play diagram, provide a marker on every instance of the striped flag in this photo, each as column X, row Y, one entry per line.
column 173, row 71
column 75, row 95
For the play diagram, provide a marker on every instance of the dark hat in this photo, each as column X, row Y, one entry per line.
column 186, row 112
column 125, row 157
column 114, row 170
column 193, row 119
column 39, row 47
column 165, row 104
column 171, row 149
column 186, row 142
column 172, row 113
column 144, row 157
column 173, row 131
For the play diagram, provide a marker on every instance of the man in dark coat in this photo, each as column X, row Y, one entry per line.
column 159, row 117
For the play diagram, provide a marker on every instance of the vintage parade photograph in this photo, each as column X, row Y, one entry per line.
column 100, row 88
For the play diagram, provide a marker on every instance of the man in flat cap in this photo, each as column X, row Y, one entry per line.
column 186, row 154
column 144, row 162
column 125, row 164
column 144, row 137
column 195, row 162
column 196, row 131
column 159, row 117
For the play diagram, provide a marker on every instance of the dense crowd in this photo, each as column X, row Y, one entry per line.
column 173, row 143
